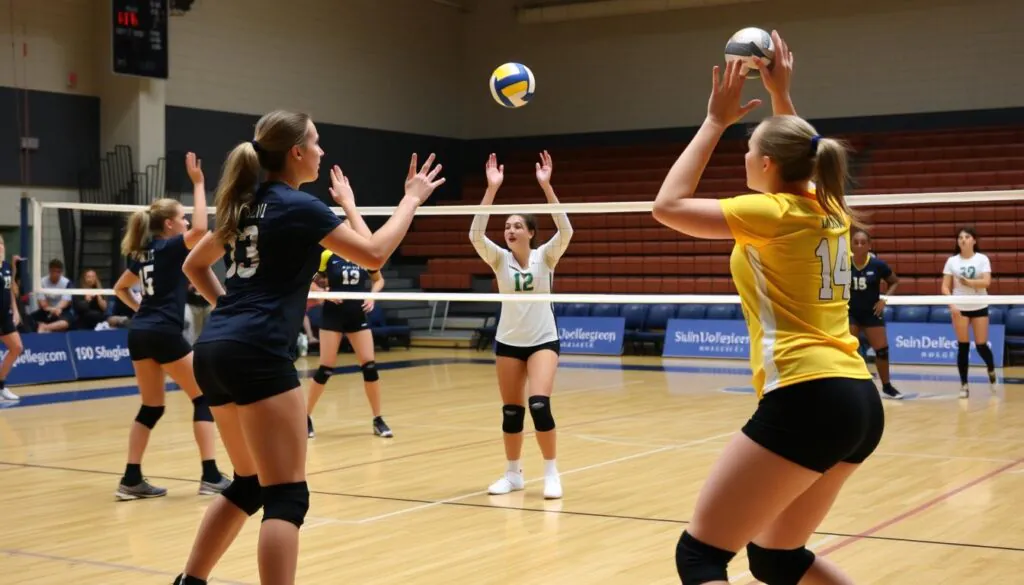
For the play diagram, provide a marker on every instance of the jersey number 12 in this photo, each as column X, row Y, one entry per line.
column 524, row 281
column 834, row 273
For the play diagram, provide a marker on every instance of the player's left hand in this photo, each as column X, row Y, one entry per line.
column 368, row 305
column 724, row 104
column 194, row 168
column 880, row 308
column 544, row 168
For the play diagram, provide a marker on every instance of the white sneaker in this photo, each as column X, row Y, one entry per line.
column 965, row 391
column 6, row 394
column 552, row 487
column 509, row 482
column 303, row 345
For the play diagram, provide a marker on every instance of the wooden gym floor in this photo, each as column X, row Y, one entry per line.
column 934, row 505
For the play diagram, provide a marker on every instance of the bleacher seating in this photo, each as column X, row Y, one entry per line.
column 631, row 253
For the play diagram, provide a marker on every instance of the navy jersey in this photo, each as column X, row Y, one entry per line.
column 5, row 295
column 269, row 267
column 867, row 284
column 343, row 275
column 164, row 286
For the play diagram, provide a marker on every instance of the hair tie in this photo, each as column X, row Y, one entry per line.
column 255, row 145
column 814, row 144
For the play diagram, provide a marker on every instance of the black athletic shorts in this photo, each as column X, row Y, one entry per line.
column 233, row 372
column 163, row 348
column 524, row 353
column 866, row 319
column 347, row 317
column 819, row 423
column 7, row 324
column 975, row 314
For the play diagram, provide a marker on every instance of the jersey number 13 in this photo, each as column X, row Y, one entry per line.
column 245, row 256
column 835, row 273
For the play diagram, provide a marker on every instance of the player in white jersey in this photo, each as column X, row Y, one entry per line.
column 527, row 338
column 969, row 274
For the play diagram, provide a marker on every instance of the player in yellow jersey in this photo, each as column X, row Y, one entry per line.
column 819, row 414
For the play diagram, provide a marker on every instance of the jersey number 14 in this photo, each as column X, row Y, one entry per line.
column 834, row 273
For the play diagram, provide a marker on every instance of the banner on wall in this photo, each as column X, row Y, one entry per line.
column 100, row 354
column 591, row 335
column 935, row 343
column 46, row 358
column 706, row 338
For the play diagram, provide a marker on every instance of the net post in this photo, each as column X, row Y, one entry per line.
column 35, row 256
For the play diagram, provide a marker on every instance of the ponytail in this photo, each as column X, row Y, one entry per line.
column 831, row 173
column 137, row 236
column 236, row 189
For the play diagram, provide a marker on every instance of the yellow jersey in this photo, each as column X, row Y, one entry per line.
column 791, row 265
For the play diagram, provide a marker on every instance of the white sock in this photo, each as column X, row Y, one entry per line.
column 549, row 467
column 513, row 467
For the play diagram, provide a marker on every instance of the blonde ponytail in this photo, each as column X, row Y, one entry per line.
column 137, row 236
column 831, row 174
column 236, row 189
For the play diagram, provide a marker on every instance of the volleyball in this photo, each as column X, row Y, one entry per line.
column 512, row 85
column 748, row 43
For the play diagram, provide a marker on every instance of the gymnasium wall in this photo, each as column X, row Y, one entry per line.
column 853, row 59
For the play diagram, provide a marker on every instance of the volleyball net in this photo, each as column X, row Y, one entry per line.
column 87, row 231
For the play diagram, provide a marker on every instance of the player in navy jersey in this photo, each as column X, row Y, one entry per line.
column 268, row 234
column 347, row 317
column 867, row 304
column 9, row 321
column 156, row 243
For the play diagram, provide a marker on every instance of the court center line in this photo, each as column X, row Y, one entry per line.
column 13, row 552
column 536, row 479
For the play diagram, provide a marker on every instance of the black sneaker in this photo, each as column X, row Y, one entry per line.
column 991, row 376
column 891, row 392
column 381, row 428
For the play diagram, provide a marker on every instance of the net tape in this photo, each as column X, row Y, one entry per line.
column 880, row 200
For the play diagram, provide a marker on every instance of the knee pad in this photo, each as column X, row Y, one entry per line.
column 149, row 415
column 540, row 410
column 245, row 493
column 370, row 371
column 697, row 562
column 286, row 501
column 201, row 410
column 512, row 418
column 882, row 354
column 778, row 567
column 323, row 373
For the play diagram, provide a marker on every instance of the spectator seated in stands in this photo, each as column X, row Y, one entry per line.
column 90, row 310
column 54, row 312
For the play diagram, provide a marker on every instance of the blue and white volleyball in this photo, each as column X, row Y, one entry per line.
column 512, row 85
column 749, row 43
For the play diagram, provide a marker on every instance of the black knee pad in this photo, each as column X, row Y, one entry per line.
column 512, row 418
column 963, row 348
column 201, row 410
column 286, row 501
column 778, row 567
column 883, row 353
column 697, row 562
column 370, row 372
column 245, row 493
column 323, row 373
column 149, row 415
column 540, row 410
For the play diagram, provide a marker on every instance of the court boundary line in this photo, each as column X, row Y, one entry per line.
column 580, row 513
column 14, row 552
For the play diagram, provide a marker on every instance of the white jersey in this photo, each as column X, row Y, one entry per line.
column 972, row 268
column 524, row 324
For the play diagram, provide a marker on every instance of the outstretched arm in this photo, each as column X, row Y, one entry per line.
column 485, row 248
column 554, row 248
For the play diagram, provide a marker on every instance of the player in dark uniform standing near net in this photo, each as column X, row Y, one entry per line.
column 867, row 304
column 156, row 243
column 347, row 317
column 9, row 321
column 268, row 233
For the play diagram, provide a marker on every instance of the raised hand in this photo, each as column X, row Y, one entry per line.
column 193, row 166
column 495, row 172
column 544, row 168
column 340, row 189
column 778, row 76
column 724, row 106
column 421, row 184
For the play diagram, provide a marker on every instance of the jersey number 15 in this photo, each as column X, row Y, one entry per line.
column 834, row 273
